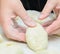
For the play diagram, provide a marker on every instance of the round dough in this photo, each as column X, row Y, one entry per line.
column 10, row 48
column 37, row 38
column 35, row 15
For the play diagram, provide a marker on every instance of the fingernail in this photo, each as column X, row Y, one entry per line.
column 41, row 17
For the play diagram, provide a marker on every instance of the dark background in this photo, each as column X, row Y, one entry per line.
column 34, row 4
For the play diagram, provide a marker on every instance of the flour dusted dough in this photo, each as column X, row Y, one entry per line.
column 37, row 38
column 10, row 48
column 35, row 15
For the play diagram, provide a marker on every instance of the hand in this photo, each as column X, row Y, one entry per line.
column 55, row 6
column 9, row 10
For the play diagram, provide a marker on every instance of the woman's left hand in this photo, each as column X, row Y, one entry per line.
column 55, row 6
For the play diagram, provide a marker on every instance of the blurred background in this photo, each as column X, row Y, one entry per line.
column 34, row 4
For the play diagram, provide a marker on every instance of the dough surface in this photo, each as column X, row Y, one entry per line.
column 35, row 15
column 10, row 48
column 37, row 38
column 7, row 47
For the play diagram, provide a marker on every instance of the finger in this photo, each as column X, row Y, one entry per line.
column 56, row 11
column 16, row 36
column 18, row 27
column 56, row 32
column 47, row 23
column 12, row 32
column 47, row 9
column 58, row 5
column 20, row 11
column 55, row 25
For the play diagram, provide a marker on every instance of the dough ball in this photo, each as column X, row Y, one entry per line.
column 10, row 48
column 35, row 15
column 37, row 38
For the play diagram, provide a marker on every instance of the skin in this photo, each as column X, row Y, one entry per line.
column 54, row 5
column 12, row 8
column 9, row 10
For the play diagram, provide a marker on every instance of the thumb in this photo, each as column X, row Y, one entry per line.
column 20, row 11
column 47, row 9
